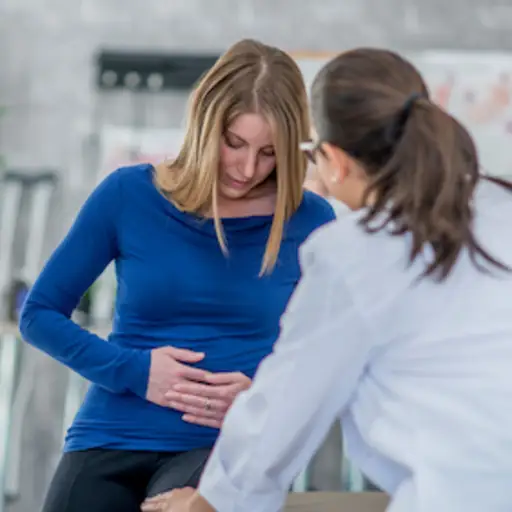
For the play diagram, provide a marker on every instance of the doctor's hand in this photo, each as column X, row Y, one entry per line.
column 207, row 403
column 179, row 500
column 168, row 368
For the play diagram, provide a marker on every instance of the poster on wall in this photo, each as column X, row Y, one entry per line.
column 124, row 145
column 474, row 87
column 477, row 90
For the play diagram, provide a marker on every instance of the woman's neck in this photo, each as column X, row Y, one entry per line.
column 261, row 201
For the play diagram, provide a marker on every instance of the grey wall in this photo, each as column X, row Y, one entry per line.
column 47, row 47
column 46, row 50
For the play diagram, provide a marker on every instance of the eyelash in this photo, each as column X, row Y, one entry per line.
column 240, row 145
column 234, row 146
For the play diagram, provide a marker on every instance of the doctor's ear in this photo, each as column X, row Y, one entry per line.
column 336, row 161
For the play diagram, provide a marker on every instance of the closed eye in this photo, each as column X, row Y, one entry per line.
column 236, row 142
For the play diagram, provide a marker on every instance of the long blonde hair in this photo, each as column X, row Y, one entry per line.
column 250, row 77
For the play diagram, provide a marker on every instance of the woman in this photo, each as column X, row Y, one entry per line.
column 407, row 335
column 206, row 255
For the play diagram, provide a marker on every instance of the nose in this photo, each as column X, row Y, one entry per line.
column 249, row 166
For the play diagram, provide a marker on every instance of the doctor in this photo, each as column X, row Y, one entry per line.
column 402, row 323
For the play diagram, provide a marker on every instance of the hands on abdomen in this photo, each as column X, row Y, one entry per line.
column 204, row 397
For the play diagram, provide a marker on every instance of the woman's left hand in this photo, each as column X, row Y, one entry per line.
column 207, row 403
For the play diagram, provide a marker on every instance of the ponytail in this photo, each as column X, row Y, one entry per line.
column 427, row 186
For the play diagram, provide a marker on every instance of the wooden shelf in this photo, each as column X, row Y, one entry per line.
column 337, row 502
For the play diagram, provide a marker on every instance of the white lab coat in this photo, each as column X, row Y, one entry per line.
column 419, row 372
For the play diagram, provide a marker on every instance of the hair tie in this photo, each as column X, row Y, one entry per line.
column 394, row 130
column 410, row 101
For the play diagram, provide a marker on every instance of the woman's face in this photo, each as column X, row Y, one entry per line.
column 247, row 156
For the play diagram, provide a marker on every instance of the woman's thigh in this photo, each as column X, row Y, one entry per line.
column 178, row 470
column 99, row 481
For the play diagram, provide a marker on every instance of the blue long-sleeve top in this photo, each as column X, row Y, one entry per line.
column 174, row 287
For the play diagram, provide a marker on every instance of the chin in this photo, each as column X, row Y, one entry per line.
column 231, row 193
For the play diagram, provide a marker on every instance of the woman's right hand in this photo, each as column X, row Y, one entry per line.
column 167, row 369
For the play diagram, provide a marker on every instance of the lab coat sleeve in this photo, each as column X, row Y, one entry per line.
column 274, row 428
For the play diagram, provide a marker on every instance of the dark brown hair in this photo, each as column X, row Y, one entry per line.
column 422, row 163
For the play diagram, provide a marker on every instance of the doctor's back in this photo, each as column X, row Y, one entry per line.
column 434, row 404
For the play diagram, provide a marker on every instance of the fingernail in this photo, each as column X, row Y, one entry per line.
column 177, row 387
column 171, row 395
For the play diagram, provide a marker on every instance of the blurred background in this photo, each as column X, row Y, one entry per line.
column 88, row 85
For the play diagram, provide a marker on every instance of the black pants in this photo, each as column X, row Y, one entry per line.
column 119, row 481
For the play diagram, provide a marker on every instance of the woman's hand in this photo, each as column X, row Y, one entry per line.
column 207, row 403
column 167, row 371
column 179, row 500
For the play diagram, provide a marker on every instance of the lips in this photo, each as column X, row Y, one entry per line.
column 232, row 182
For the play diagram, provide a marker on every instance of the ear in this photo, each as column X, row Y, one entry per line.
column 339, row 161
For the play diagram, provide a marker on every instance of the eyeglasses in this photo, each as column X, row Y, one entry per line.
column 310, row 148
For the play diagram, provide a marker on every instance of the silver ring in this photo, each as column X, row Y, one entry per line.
column 207, row 405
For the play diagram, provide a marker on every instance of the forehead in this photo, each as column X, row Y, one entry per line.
column 252, row 128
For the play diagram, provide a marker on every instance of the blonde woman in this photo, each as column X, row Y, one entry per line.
column 407, row 336
column 206, row 254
